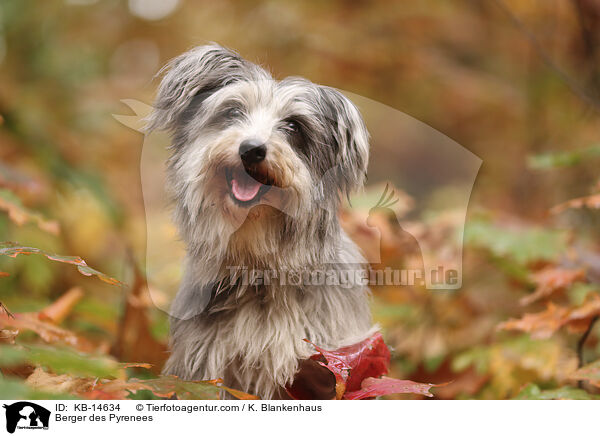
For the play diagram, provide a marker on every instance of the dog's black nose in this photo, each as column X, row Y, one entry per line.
column 252, row 151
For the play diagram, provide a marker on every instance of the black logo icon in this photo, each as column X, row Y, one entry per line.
column 26, row 415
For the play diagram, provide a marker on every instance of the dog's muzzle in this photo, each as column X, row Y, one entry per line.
column 249, row 182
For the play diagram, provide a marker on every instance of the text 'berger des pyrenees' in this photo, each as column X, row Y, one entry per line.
column 257, row 172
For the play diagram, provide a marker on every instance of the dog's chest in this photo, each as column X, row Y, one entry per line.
column 273, row 330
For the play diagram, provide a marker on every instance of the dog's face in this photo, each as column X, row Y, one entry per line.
column 247, row 147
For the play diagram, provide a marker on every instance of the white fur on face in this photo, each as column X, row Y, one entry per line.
column 198, row 175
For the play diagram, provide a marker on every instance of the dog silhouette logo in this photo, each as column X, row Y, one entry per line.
column 26, row 415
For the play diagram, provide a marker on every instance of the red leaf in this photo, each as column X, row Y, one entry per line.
column 374, row 387
column 352, row 364
column 357, row 368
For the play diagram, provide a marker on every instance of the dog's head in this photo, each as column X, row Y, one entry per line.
column 246, row 146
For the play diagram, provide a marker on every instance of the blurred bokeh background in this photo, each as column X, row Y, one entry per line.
column 516, row 82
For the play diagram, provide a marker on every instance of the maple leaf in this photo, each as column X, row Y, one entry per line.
column 13, row 249
column 544, row 324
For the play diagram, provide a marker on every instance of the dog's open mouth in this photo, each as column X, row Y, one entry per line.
column 247, row 186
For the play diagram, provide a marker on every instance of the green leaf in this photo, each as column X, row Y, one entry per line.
column 562, row 159
column 523, row 244
column 533, row 392
column 578, row 292
column 13, row 249
column 589, row 372
column 16, row 389
column 168, row 386
column 60, row 360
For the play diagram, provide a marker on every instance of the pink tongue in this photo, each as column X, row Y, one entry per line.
column 244, row 187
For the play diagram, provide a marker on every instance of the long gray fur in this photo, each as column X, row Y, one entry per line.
column 251, row 335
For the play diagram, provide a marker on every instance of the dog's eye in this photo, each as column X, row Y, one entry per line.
column 292, row 126
column 234, row 112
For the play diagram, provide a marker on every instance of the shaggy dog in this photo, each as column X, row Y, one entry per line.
column 257, row 171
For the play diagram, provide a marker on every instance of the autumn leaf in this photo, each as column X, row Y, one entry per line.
column 589, row 372
column 62, row 307
column 544, row 324
column 8, row 336
column 135, row 341
column 551, row 280
column 375, row 387
column 91, row 388
column 239, row 394
column 135, row 365
column 356, row 369
column 20, row 215
column 166, row 387
column 61, row 384
column 48, row 331
column 169, row 386
column 590, row 202
column 12, row 249
column 352, row 364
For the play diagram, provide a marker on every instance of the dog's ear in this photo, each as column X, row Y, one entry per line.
column 192, row 77
column 349, row 136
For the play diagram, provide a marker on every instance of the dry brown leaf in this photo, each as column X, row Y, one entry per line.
column 544, row 324
column 62, row 307
column 8, row 336
column 591, row 202
column 135, row 341
column 44, row 381
column 47, row 331
column 20, row 215
column 551, row 280
column 87, row 387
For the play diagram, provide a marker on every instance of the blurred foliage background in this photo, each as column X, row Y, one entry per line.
column 514, row 81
